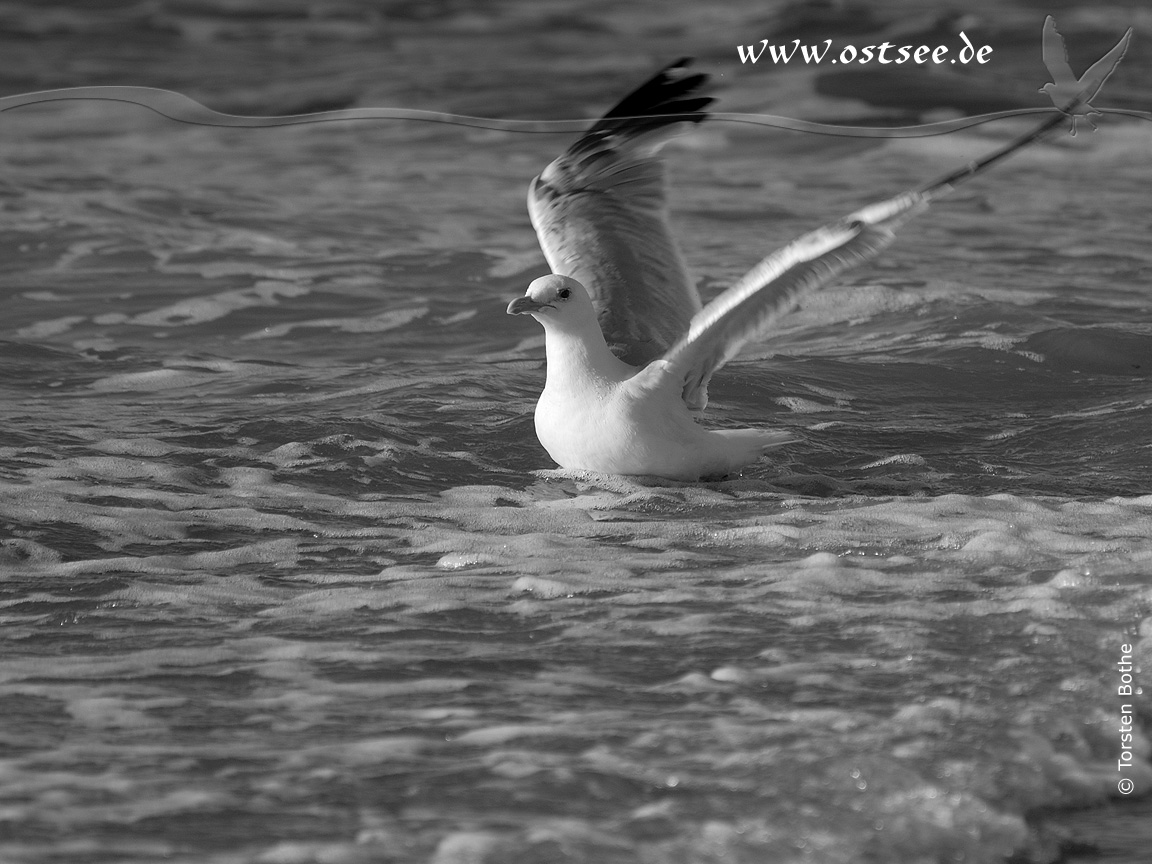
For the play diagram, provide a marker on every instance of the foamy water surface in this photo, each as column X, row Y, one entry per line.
column 285, row 576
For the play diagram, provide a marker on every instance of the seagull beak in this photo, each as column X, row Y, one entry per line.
column 526, row 306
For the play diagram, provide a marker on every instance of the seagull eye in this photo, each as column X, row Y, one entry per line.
column 564, row 293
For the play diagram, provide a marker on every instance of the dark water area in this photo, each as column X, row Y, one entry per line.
column 286, row 577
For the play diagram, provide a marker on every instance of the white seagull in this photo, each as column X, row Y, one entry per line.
column 630, row 350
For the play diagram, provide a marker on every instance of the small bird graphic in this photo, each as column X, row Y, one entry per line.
column 1070, row 94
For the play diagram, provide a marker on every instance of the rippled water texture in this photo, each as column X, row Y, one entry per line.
column 285, row 576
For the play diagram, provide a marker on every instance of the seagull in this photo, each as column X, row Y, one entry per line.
column 629, row 347
column 1070, row 94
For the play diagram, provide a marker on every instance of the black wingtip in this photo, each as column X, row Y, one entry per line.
column 666, row 97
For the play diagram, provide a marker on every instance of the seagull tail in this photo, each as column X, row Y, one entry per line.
column 745, row 446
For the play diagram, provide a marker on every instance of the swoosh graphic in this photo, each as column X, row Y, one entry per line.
column 183, row 109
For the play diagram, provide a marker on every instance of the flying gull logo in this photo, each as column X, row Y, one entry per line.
column 1072, row 95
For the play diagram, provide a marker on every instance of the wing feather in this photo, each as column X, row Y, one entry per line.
column 600, row 213
column 774, row 286
column 1055, row 55
column 1099, row 72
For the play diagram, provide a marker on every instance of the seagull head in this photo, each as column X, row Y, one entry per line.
column 556, row 300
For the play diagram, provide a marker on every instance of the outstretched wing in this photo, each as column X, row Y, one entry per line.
column 1092, row 80
column 1056, row 55
column 600, row 213
column 772, row 288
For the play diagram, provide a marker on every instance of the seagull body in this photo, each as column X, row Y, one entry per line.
column 629, row 347
column 1070, row 94
column 599, row 413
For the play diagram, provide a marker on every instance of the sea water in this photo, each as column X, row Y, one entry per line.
column 285, row 576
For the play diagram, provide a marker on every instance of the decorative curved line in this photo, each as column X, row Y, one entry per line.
column 1125, row 112
column 924, row 130
column 183, row 109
